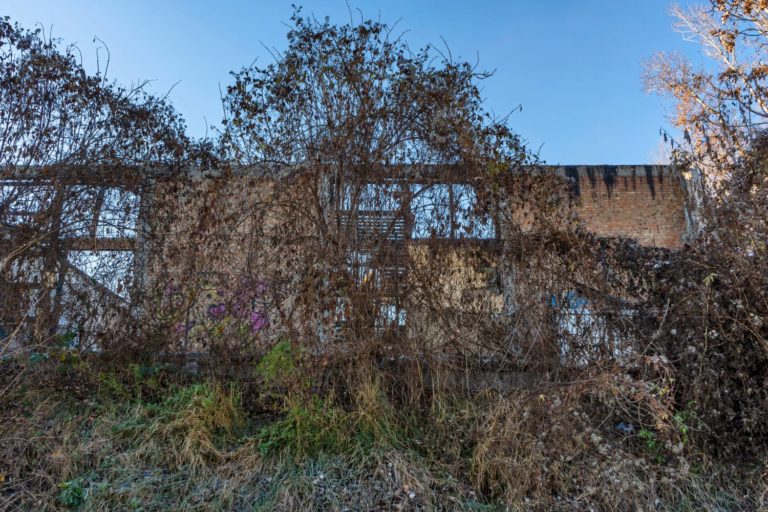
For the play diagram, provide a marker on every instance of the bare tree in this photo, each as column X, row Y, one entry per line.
column 722, row 110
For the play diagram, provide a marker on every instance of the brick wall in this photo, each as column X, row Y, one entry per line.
column 646, row 203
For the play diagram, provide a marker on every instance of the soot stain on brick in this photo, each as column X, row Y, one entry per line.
column 609, row 178
column 591, row 175
column 650, row 182
column 573, row 175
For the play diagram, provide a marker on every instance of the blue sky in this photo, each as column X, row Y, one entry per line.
column 573, row 65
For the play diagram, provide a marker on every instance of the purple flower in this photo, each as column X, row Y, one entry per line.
column 258, row 321
column 217, row 311
column 182, row 328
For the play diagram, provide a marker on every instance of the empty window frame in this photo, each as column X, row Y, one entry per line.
column 112, row 270
column 449, row 211
column 100, row 212
column 376, row 209
column 22, row 201
column 96, row 212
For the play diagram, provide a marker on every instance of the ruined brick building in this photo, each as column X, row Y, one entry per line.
column 104, row 244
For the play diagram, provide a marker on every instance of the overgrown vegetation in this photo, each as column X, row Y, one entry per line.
column 359, row 296
column 129, row 444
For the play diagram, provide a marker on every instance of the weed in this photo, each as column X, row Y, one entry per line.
column 651, row 444
column 72, row 493
column 308, row 430
column 279, row 366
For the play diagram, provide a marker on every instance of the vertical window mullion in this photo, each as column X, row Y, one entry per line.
column 98, row 204
column 451, row 212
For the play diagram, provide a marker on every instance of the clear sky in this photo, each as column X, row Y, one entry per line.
column 573, row 65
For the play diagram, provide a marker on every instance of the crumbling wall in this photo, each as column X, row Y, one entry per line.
column 645, row 202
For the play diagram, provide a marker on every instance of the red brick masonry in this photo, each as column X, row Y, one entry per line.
column 644, row 202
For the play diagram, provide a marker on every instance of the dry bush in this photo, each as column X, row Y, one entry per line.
column 711, row 305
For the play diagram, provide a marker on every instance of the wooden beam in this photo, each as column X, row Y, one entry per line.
column 100, row 244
